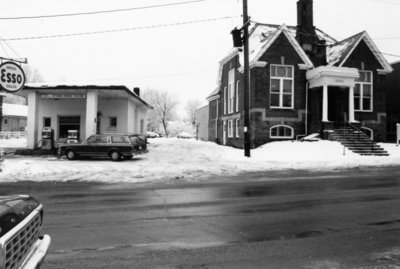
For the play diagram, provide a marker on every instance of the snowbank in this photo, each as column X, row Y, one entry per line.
column 188, row 159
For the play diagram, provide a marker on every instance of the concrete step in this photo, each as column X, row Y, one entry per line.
column 358, row 142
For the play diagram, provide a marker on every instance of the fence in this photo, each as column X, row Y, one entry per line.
column 7, row 135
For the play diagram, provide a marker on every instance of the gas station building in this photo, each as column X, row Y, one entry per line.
column 86, row 109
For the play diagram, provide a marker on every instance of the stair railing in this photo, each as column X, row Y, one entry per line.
column 359, row 132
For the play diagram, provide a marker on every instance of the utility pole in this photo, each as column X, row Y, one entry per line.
column 246, row 78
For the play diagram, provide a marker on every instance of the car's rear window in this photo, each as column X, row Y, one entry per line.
column 119, row 139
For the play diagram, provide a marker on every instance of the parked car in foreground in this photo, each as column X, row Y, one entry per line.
column 113, row 146
column 21, row 245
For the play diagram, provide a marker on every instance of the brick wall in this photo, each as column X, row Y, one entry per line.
column 375, row 120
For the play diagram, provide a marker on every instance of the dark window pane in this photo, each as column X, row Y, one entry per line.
column 274, row 132
column 366, row 103
column 357, row 103
column 273, row 71
column 281, row 131
column 357, row 90
column 281, row 70
column 287, row 86
column 289, row 72
column 367, row 90
column 274, row 99
column 275, row 85
column 287, row 100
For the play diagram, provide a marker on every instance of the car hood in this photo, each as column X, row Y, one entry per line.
column 13, row 209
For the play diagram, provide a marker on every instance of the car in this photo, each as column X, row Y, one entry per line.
column 152, row 134
column 113, row 146
column 184, row 135
column 139, row 143
column 21, row 244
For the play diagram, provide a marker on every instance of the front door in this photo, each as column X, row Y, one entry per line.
column 338, row 105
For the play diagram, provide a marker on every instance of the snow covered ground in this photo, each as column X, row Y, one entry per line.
column 189, row 160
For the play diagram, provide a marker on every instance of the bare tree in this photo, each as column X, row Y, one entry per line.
column 164, row 106
column 32, row 75
column 191, row 107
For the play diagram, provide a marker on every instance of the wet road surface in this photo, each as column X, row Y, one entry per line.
column 347, row 219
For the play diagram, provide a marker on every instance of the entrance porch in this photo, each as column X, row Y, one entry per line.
column 331, row 97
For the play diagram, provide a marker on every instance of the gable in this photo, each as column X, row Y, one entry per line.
column 365, row 39
column 362, row 53
column 283, row 32
column 282, row 47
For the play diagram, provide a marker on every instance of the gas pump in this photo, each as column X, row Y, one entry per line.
column 72, row 136
column 47, row 138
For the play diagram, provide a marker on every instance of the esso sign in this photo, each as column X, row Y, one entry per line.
column 12, row 77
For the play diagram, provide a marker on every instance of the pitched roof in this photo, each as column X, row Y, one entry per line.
column 338, row 53
column 213, row 95
column 262, row 36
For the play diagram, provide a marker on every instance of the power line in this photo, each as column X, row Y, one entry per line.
column 117, row 30
column 386, row 2
column 100, row 11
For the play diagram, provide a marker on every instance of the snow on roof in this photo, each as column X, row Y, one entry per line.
column 15, row 110
column 214, row 93
column 336, row 53
column 261, row 34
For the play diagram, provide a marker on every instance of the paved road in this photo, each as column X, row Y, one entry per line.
column 345, row 219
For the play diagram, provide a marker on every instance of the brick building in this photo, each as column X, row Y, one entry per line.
column 302, row 81
column 393, row 98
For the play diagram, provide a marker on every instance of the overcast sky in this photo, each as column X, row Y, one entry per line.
column 183, row 58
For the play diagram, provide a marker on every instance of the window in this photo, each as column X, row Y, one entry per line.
column 281, row 88
column 5, row 121
column 96, row 139
column 237, row 96
column 119, row 139
column 231, row 90
column 281, row 131
column 230, row 128
column 363, row 92
column 216, row 120
column 142, row 126
column 113, row 121
column 369, row 132
column 46, row 122
column 237, row 127
column 225, row 99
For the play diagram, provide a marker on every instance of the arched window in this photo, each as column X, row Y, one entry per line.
column 369, row 132
column 281, row 132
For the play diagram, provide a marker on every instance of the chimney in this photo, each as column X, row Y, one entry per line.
column 306, row 35
column 305, row 15
column 136, row 91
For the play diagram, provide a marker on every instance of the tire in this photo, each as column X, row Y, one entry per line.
column 71, row 155
column 115, row 156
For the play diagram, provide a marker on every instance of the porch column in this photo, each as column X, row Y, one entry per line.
column 325, row 104
column 32, row 121
column 351, row 105
column 91, row 112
